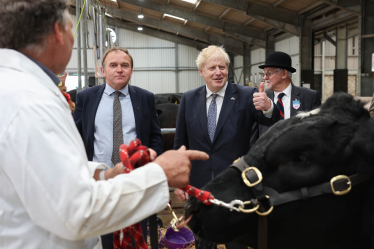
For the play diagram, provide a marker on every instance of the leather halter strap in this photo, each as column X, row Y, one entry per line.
column 336, row 186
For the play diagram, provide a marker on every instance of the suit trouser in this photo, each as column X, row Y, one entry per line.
column 107, row 239
column 203, row 244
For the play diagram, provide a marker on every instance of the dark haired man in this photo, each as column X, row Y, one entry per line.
column 115, row 113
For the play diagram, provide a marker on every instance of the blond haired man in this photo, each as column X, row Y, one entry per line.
column 217, row 118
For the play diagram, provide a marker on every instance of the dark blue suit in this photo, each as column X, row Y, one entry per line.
column 147, row 126
column 146, row 122
column 309, row 100
column 233, row 132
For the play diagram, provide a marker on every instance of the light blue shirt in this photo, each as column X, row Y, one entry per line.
column 103, row 143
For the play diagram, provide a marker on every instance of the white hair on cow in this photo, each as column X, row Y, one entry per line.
column 302, row 115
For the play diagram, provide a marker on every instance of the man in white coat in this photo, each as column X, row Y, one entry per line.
column 48, row 197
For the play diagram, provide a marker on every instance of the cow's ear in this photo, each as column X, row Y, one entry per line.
column 159, row 112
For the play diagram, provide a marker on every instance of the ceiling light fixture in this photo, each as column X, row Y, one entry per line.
column 189, row 1
column 175, row 17
column 140, row 28
column 140, row 16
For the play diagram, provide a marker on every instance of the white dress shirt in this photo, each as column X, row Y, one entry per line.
column 286, row 100
column 103, row 143
column 219, row 101
column 48, row 198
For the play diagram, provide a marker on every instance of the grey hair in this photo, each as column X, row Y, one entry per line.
column 24, row 23
column 289, row 74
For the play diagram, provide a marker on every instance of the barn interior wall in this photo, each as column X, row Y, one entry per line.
column 289, row 45
column 330, row 64
column 154, row 61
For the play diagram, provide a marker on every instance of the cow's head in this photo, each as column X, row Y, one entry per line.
column 302, row 151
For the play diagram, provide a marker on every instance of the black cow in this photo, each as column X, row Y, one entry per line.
column 167, row 116
column 73, row 95
column 303, row 151
column 163, row 98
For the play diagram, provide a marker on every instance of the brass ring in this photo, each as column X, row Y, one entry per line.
column 248, row 210
column 267, row 212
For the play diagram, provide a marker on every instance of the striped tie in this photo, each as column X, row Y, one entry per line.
column 117, row 128
column 212, row 117
column 280, row 105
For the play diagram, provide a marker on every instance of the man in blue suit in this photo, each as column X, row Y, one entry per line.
column 217, row 118
column 116, row 113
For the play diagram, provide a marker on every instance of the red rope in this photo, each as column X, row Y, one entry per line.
column 203, row 196
column 132, row 157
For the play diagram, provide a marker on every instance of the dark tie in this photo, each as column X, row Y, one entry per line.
column 117, row 128
column 280, row 105
column 212, row 117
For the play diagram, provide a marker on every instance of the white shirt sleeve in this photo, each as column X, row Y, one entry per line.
column 43, row 157
column 269, row 112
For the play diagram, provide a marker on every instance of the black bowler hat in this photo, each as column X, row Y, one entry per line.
column 279, row 60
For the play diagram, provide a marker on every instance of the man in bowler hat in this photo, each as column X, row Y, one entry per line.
column 290, row 99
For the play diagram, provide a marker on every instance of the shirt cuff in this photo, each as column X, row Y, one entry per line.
column 269, row 112
column 92, row 166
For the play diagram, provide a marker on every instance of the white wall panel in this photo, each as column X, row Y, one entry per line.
column 189, row 80
column 187, row 56
column 131, row 39
column 238, row 78
column 238, row 61
column 296, row 64
column 257, row 56
column 283, row 46
column 330, row 49
column 154, row 81
column 73, row 63
column 289, row 45
column 255, row 72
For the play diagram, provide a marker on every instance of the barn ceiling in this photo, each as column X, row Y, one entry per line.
column 231, row 23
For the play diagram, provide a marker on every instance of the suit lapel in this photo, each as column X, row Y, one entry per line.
column 231, row 97
column 94, row 104
column 200, row 101
column 136, row 101
column 294, row 95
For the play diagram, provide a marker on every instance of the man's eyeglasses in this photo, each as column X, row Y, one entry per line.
column 268, row 74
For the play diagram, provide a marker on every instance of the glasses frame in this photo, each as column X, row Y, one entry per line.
column 268, row 74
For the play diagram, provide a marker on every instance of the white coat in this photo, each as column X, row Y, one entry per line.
column 48, row 198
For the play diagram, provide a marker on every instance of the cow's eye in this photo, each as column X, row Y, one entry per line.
column 302, row 159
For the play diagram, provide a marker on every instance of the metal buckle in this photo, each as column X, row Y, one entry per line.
column 337, row 178
column 258, row 173
column 267, row 212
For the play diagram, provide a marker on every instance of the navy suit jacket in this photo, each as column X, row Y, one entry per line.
column 233, row 132
column 143, row 103
column 309, row 100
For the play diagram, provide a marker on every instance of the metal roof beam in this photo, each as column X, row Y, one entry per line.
column 277, row 3
column 321, row 12
column 250, row 8
column 287, row 21
column 127, row 15
column 353, row 7
column 333, row 20
column 191, row 16
column 230, row 44
column 256, row 42
column 158, row 34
